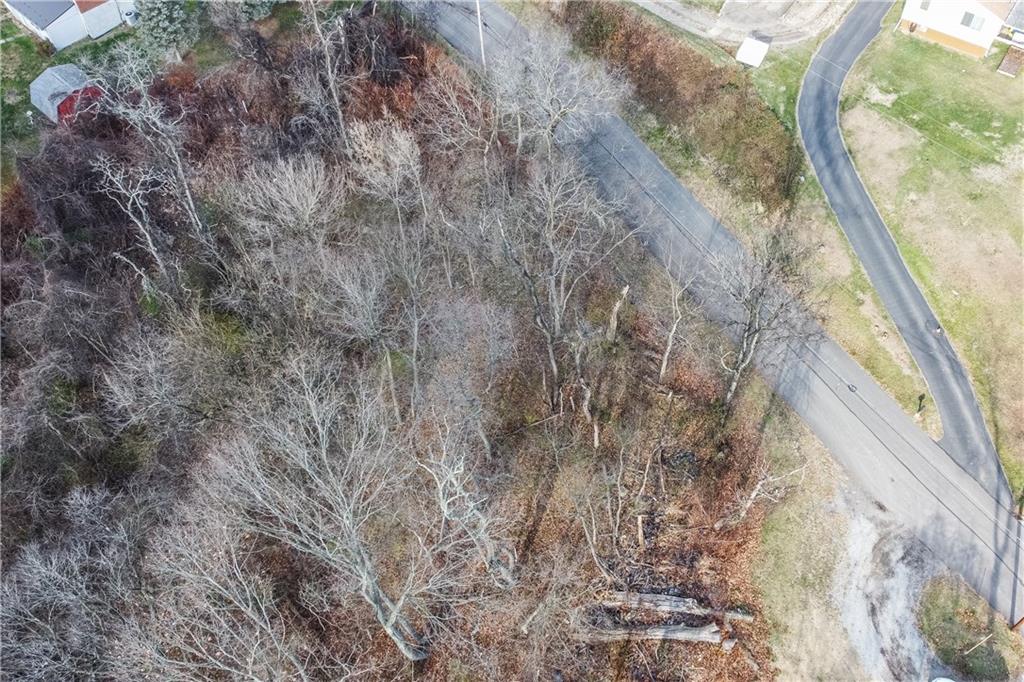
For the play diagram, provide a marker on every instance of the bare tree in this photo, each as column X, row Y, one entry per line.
column 130, row 187
column 126, row 81
column 169, row 383
column 450, row 465
column 210, row 611
column 543, row 91
column 773, row 301
column 299, row 197
column 322, row 467
column 455, row 116
column 61, row 596
column 288, row 223
column 386, row 161
column 330, row 74
column 553, row 243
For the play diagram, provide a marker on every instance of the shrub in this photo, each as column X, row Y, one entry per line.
column 716, row 107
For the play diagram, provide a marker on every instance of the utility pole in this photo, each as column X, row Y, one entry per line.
column 480, row 31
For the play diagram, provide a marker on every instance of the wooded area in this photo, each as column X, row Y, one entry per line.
column 329, row 363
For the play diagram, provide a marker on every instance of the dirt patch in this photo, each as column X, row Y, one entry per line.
column 877, row 588
column 884, row 147
column 1006, row 173
column 886, row 99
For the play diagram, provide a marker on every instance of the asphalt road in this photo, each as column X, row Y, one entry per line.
column 965, row 436
column 884, row 452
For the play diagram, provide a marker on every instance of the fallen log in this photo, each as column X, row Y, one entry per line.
column 680, row 633
column 664, row 603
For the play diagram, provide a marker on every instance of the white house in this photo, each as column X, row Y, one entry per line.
column 968, row 26
column 63, row 22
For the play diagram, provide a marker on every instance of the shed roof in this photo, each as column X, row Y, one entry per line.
column 41, row 13
column 752, row 51
column 53, row 86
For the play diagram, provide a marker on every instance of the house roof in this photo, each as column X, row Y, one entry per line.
column 86, row 5
column 1016, row 16
column 41, row 13
column 53, row 86
column 1000, row 8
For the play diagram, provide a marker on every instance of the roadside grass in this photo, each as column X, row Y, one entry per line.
column 716, row 53
column 966, row 634
column 779, row 77
column 850, row 296
column 713, row 6
column 953, row 203
column 802, row 542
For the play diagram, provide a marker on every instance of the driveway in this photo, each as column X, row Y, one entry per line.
column 965, row 436
column 784, row 22
column 911, row 480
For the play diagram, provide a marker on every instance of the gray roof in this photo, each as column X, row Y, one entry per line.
column 42, row 13
column 53, row 86
column 1016, row 16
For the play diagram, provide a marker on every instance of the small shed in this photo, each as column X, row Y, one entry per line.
column 55, row 88
column 753, row 50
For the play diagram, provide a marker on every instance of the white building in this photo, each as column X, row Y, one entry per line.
column 968, row 26
column 63, row 22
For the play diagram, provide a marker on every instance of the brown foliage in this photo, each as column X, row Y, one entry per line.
column 16, row 217
column 715, row 106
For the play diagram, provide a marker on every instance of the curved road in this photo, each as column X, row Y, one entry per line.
column 910, row 478
column 965, row 436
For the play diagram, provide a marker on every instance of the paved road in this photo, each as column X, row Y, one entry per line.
column 898, row 466
column 965, row 436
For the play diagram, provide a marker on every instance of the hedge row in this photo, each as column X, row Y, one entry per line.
column 716, row 107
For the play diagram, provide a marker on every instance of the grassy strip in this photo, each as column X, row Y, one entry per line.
column 966, row 634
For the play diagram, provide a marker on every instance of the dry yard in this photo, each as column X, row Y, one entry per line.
column 939, row 141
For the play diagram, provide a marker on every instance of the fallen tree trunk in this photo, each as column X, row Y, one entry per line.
column 664, row 603
column 680, row 633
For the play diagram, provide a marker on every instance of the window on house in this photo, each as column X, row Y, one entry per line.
column 925, row 4
column 972, row 21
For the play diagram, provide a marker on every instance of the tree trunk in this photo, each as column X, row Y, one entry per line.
column 680, row 633
column 665, row 603
column 613, row 323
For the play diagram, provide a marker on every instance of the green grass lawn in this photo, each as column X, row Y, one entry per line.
column 966, row 634
column 967, row 112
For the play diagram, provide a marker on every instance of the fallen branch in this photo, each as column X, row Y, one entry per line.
column 664, row 603
column 680, row 633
